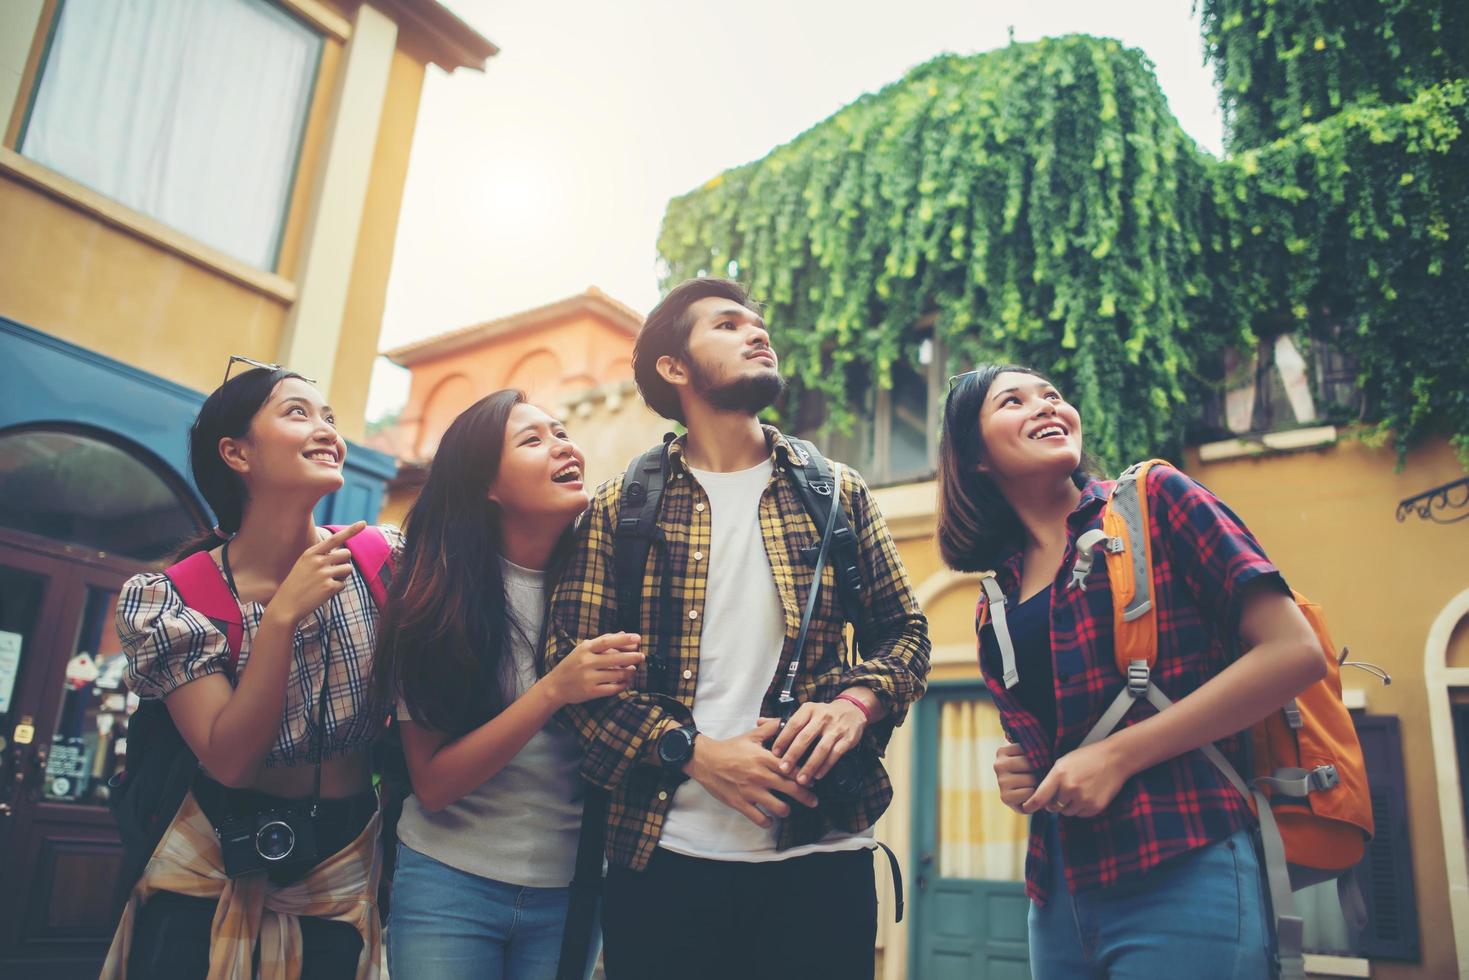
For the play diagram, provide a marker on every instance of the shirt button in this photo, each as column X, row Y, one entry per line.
column 699, row 508
column 688, row 675
column 662, row 794
column 698, row 556
column 693, row 614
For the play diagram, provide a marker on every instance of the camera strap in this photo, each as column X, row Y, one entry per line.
column 787, row 700
column 318, row 738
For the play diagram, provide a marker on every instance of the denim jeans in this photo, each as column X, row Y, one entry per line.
column 449, row 924
column 1201, row 916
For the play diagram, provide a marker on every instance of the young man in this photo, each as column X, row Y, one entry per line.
column 723, row 862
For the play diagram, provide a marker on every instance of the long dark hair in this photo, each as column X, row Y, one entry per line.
column 444, row 640
column 977, row 526
column 226, row 414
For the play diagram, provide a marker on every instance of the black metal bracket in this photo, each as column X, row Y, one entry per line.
column 1430, row 505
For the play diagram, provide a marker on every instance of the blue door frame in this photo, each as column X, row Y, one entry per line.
column 48, row 381
column 963, row 929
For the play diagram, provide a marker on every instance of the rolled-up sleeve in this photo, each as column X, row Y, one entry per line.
column 1209, row 547
column 166, row 643
column 618, row 732
column 894, row 644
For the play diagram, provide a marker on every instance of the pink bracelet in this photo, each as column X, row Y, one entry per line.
column 866, row 711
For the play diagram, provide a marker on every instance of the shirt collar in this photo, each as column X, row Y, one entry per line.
column 1093, row 495
column 780, row 448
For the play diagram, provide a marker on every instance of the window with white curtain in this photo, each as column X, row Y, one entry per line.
column 190, row 111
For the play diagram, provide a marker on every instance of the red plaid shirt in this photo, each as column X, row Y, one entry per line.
column 1203, row 555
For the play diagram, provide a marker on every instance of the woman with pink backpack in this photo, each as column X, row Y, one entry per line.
column 259, row 643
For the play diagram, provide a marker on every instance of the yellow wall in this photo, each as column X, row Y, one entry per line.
column 88, row 271
column 1327, row 519
column 70, row 275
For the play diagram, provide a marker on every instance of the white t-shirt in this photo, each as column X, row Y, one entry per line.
column 739, row 652
column 521, row 826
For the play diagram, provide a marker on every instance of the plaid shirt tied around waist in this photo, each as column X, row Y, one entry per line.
column 620, row 733
column 1203, row 556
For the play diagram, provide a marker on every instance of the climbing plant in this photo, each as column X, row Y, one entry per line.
column 1283, row 63
column 1040, row 199
column 1358, row 227
column 1039, row 203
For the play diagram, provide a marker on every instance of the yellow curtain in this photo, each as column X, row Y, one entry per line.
column 979, row 837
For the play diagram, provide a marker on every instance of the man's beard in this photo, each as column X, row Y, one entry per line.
column 749, row 395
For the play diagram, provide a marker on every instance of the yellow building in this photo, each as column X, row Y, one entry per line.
column 180, row 181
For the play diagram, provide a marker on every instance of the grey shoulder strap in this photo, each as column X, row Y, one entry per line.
column 996, row 597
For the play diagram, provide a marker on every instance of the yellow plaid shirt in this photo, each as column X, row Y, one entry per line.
column 620, row 734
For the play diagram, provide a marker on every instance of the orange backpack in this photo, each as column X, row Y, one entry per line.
column 1308, row 784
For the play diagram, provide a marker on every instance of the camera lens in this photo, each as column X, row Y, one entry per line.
column 275, row 841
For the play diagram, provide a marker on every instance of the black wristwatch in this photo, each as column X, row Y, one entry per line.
column 676, row 748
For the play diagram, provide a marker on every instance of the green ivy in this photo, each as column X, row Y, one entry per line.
column 1284, row 63
column 1359, row 227
column 1043, row 205
column 1041, row 199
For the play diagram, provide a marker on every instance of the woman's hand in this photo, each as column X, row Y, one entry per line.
column 320, row 573
column 1081, row 783
column 1017, row 780
column 597, row 668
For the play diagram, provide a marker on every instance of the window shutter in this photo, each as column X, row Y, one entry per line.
column 1386, row 872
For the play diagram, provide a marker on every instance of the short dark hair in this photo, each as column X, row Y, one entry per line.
column 666, row 333
column 976, row 524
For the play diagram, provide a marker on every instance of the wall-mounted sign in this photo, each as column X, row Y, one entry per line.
column 9, row 666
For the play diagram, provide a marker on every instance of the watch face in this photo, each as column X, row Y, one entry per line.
column 674, row 747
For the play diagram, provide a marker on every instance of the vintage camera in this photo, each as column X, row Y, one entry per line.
column 267, row 840
column 843, row 782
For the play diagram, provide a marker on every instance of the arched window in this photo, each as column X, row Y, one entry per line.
column 72, row 485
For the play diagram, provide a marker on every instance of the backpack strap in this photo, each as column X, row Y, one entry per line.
column 811, row 472
column 637, row 525
column 201, row 585
column 1127, row 541
column 373, row 557
column 994, row 611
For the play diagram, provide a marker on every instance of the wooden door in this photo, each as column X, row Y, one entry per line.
column 63, row 729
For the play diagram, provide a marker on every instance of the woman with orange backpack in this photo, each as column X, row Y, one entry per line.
column 272, row 860
column 1141, row 860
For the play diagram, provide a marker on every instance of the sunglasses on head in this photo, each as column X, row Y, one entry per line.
column 956, row 378
column 240, row 359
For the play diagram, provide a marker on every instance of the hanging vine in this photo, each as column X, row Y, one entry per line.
column 1359, row 227
column 1044, row 206
column 1284, row 63
column 1041, row 199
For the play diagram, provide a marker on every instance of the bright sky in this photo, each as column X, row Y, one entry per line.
column 550, row 171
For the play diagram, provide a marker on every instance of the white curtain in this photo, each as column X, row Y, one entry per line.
column 189, row 111
column 979, row 837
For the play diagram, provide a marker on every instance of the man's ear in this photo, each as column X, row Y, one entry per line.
column 235, row 453
column 672, row 370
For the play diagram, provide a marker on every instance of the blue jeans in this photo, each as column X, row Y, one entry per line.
column 447, row 924
column 1201, row 915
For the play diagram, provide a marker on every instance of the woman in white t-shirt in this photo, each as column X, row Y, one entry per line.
column 488, row 838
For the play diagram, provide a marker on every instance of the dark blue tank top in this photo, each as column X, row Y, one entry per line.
column 1030, row 631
